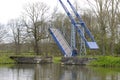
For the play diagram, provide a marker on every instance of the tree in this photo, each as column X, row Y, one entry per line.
column 3, row 32
column 18, row 33
column 106, row 12
column 36, row 23
column 113, row 23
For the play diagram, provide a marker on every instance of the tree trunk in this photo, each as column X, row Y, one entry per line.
column 36, row 48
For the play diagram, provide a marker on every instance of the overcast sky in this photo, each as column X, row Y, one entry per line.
column 10, row 9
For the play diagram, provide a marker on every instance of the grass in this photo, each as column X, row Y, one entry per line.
column 102, row 61
column 25, row 55
column 4, row 59
column 106, row 61
column 56, row 59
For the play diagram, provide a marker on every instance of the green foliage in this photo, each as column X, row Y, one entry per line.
column 4, row 59
column 56, row 59
column 117, row 48
column 25, row 55
column 106, row 61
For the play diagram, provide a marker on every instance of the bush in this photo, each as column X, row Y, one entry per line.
column 106, row 61
column 6, row 60
column 117, row 48
column 57, row 59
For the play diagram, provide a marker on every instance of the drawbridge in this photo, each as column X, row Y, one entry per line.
column 80, row 27
column 61, row 42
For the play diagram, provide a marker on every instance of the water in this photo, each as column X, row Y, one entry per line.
column 57, row 72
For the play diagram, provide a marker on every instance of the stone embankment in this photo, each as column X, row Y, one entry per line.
column 32, row 60
column 76, row 60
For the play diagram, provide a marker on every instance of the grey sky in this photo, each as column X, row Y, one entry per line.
column 10, row 9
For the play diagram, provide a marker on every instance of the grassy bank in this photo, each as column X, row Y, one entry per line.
column 106, row 61
column 57, row 60
column 4, row 59
column 102, row 61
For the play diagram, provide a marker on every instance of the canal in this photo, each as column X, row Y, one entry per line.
column 57, row 72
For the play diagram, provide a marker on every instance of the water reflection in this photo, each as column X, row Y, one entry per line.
column 57, row 72
column 89, row 73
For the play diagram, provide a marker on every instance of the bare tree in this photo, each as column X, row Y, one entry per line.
column 106, row 12
column 18, row 33
column 3, row 32
column 36, row 26
column 113, row 23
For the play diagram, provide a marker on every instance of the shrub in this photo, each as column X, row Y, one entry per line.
column 5, row 60
column 106, row 61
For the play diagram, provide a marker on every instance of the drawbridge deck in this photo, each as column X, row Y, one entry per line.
column 61, row 42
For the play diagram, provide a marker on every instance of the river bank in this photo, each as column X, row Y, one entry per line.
column 5, row 59
column 99, row 61
column 106, row 61
column 32, row 59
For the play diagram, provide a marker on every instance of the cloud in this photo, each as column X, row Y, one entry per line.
column 10, row 9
